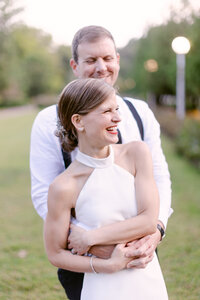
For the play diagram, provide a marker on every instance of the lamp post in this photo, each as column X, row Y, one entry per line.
column 181, row 46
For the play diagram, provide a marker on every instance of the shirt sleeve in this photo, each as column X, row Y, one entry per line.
column 46, row 160
column 160, row 166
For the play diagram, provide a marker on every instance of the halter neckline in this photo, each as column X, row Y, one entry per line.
column 96, row 162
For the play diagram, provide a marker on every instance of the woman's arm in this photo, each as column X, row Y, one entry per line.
column 147, row 203
column 56, row 232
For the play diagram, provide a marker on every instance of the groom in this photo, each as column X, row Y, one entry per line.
column 94, row 55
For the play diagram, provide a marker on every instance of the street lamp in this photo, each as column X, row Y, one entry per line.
column 181, row 46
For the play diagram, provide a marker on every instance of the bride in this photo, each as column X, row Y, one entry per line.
column 112, row 190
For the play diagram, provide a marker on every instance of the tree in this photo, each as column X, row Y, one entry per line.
column 7, row 16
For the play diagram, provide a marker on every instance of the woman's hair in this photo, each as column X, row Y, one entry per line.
column 80, row 96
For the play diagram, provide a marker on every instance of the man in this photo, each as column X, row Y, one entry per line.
column 95, row 55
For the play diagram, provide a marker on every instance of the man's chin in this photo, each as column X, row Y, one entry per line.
column 108, row 80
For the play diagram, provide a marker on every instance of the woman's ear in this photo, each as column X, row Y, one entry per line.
column 77, row 122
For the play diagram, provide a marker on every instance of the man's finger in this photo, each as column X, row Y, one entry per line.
column 140, row 263
column 141, row 251
column 140, row 242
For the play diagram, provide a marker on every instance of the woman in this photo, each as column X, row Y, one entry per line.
column 112, row 191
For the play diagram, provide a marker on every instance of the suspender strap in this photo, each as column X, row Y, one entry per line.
column 119, row 137
column 67, row 158
column 136, row 117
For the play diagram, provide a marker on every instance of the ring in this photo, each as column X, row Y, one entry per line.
column 72, row 251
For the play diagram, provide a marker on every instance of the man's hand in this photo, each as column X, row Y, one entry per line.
column 142, row 250
column 102, row 251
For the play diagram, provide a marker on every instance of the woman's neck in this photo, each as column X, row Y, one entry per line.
column 94, row 151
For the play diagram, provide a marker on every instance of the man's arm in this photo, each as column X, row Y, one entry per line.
column 46, row 160
column 144, row 248
column 160, row 167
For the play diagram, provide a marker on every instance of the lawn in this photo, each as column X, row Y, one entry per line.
column 24, row 270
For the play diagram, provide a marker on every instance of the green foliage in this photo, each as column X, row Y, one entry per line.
column 156, row 45
column 30, row 65
column 188, row 141
column 7, row 14
column 37, row 60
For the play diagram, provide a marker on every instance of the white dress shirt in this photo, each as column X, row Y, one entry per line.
column 46, row 161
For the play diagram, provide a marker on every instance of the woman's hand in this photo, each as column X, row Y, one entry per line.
column 118, row 260
column 78, row 240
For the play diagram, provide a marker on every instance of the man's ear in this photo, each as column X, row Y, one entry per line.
column 118, row 57
column 77, row 122
column 74, row 66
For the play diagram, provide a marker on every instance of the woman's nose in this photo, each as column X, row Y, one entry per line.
column 116, row 117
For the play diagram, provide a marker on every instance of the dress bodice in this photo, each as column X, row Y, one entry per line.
column 108, row 194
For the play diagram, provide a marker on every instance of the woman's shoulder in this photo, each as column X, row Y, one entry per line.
column 132, row 148
column 62, row 184
column 69, row 180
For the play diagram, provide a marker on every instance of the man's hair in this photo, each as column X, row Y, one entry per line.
column 89, row 34
column 80, row 96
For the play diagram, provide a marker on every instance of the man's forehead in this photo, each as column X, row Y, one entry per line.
column 90, row 47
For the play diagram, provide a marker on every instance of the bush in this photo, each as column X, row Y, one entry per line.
column 188, row 141
column 168, row 121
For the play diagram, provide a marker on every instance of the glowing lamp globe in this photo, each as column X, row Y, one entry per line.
column 181, row 45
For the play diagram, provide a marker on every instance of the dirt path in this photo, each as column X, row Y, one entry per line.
column 16, row 111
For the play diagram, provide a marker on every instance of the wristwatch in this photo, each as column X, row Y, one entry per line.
column 162, row 232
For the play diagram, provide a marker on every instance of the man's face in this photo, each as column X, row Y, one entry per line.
column 97, row 60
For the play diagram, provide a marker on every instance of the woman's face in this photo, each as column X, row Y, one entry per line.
column 100, row 125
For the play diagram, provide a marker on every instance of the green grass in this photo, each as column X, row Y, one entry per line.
column 32, row 277
column 180, row 250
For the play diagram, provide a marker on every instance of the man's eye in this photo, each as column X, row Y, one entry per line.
column 108, row 58
column 90, row 61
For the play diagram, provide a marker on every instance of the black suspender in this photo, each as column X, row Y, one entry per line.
column 136, row 117
column 67, row 156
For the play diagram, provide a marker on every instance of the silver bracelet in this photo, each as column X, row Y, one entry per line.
column 91, row 265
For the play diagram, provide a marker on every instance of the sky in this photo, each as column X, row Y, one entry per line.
column 125, row 19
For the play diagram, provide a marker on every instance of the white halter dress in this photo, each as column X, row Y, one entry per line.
column 108, row 196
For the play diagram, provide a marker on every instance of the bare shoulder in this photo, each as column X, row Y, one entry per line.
column 66, row 187
column 138, row 148
column 132, row 149
column 61, row 190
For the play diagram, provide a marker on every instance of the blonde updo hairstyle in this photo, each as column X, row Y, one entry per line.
column 80, row 96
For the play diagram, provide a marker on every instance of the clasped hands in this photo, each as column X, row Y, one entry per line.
column 139, row 251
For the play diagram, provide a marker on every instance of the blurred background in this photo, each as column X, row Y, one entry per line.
column 35, row 49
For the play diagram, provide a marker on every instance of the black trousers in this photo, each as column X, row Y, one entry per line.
column 72, row 283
